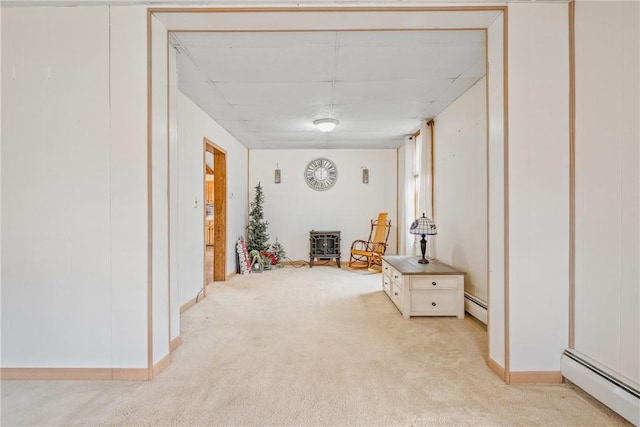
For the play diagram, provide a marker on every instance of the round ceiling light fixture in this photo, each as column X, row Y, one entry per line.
column 325, row 125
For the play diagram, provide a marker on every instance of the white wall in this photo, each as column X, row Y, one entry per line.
column 460, row 164
column 607, row 278
column 496, row 315
column 128, row 198
column 160, row 315
column 174, row 235
column 74, row 187
column 538, row 185
column 193, row 126
column 85, row 129
column 0, row 176
column 293, row 209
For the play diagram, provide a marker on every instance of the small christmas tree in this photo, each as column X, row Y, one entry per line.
column 257, row 229
column 277, row 250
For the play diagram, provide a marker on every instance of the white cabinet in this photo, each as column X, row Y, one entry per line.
column 433, row 289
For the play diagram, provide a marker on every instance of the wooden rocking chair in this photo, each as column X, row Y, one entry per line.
column 368, row 253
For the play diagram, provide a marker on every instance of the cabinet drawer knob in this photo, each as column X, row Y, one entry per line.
column 395, row 276
column 433, row 304
column 433, row 283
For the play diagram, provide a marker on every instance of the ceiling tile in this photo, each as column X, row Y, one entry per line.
column 369, row 134
column 276, row 93
column 274, row 144
column 352, row 128
column 372, row 111
column 286, row 112
column 311, row 135
column 365, row 143
column 439, row 61
column 389, row 92
column 291, row 64
column 269, row 125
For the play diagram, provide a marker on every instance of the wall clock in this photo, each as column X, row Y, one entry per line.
column 321, row 174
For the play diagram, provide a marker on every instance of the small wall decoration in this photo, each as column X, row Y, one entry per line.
column 276, row 175
column 365, row 175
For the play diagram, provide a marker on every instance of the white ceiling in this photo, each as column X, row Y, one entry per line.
column 267, row 88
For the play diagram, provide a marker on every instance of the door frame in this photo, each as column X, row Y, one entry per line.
column 324, row 18
column 219, row 210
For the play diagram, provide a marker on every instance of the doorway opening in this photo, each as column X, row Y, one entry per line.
column 491, row 19
column 215, row 213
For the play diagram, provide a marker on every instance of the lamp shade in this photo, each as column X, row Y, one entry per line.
column 326, row 125
column 423, row 226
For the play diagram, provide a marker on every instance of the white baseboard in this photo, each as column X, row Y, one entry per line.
column 475, row 307
column 617, row 395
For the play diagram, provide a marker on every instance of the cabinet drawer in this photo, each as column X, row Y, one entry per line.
column 396, row 276
column 397, row 283
column 386, row 269
column 435, row 282
column 434, row 303
column 396, row 295
column 386, row 284
column 391, row 272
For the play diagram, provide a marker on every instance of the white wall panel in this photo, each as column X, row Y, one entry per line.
column 193, row 126
column 607, row 185
column 174, row 291
column 630, row 217
column 496, row 197
column 0, row 173
column 128, row 207
column 460, row 162
column 159, row 192
column 56, row 225
column 538, row 185
column 292, row 208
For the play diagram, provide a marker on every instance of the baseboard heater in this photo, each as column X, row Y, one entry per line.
column 618, row 394
column 475, row 307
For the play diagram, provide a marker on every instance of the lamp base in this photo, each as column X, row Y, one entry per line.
column 423, row 249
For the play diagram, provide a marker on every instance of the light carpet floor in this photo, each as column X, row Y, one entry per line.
column 306, row 346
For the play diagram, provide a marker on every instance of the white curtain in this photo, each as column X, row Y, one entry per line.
column 425, row 191
column 414, row 188
column 406, row 195
column 424, row 170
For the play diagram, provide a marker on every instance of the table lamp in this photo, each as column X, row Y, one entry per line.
column 423, row 226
